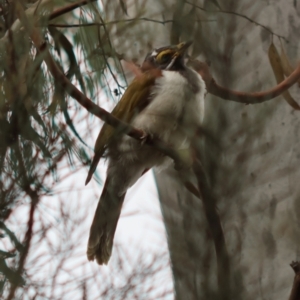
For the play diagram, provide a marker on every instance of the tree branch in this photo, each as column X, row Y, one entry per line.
column 295, row 293
column 111, row 23
column 68, row 8
column 243, row 97
column 117, row 22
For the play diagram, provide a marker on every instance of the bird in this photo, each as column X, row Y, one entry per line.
column 165, row 101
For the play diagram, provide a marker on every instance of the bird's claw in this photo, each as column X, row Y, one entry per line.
column 145, row 137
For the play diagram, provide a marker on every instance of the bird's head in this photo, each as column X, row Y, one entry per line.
column 167, row 58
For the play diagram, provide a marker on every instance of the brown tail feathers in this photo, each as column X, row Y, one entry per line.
column 104, row 225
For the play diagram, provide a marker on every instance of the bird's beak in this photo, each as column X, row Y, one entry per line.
column 180, row 51
column 182, row 48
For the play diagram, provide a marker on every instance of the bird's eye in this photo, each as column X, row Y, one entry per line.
column 164, row 57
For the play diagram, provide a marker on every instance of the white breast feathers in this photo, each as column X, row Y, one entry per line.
column 176, row 109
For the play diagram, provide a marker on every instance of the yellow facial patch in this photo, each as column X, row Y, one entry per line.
column 165, row 55
column 179, row 46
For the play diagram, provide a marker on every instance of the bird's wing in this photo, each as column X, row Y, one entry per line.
column 136, row 97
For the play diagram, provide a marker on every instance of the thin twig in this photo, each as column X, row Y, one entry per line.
column 28, row 236
column 238, row 15
column 111, row 50
column 119, row 21
column 112, row 22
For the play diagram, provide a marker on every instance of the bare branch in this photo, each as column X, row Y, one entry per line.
column 243, row 97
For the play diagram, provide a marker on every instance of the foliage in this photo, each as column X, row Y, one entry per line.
column 250, row 155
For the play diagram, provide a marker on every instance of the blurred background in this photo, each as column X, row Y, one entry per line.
column 164, row 245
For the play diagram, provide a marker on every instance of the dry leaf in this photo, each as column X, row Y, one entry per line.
column 286, row 65
column 275, row 62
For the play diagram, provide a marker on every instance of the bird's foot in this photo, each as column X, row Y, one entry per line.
column 146, row 138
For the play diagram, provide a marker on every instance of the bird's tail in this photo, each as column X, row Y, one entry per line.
column 104, row 225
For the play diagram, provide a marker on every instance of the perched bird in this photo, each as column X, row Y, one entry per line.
column 166, row 101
